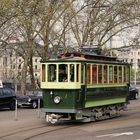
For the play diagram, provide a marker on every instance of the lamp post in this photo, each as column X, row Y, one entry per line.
column 135, row 72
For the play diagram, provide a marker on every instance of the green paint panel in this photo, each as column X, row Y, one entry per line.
column 104, row 102
column 68, row 99
column 106, row 93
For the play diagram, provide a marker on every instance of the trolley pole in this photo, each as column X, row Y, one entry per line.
column 135, row 75
column 16, row 110
column 38, row 108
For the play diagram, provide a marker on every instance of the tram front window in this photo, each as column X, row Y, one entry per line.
column 51, row 72
column 72, row 76
column 63, row 73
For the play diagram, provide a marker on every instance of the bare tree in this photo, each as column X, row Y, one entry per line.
column 63, row 23
column 105, row 19
column 6, row 16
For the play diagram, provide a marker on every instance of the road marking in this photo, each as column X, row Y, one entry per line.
column 115, row 134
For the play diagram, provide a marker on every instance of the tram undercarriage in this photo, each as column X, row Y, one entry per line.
column 88, row 114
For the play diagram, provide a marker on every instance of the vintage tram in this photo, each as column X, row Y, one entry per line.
column 84, row 87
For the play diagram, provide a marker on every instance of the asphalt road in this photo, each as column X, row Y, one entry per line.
column 30, row 126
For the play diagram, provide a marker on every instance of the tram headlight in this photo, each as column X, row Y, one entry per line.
column 57, row 99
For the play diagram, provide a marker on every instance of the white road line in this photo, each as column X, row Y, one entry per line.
column 115, row 134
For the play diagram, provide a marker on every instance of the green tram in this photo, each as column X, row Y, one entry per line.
column 84, row 87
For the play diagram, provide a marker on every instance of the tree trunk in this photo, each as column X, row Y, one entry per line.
column 23, row 78
column 31, row 71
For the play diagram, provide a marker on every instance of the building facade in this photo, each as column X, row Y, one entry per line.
column 11, row 65
column 130, row 55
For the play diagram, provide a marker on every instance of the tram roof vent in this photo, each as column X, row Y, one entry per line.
column 80, row 55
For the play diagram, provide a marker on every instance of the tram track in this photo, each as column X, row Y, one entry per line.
column 37, row 131
column 20, row 130
column 82, row 127
column 50, row 131
column 34, row 132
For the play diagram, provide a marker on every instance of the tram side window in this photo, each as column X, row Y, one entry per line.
column 88, row 73
column 115, row 74
column 63, row 73
column 78, row 72
column 126, row 73
column 43, row 72
column 105, row 73
column 51, row 72
column 110, row 74
column 82, row 73
column 94, row 74
column 99, row 73
column 120, row 74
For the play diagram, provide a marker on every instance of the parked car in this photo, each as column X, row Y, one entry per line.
column 31, row 99
column 7, row 98
column 133, row 92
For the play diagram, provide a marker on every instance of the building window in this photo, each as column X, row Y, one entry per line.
column 14, row 66
column 35, row 60
column 139, row 63
column 19, row 73
column 19, row 67
column 35, row 67
column 5, row 61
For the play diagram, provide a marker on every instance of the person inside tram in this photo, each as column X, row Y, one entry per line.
column 62, row 75
column 72, row 73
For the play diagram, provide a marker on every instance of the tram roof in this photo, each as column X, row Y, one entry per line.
column 77, row 56
column 87, row 56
